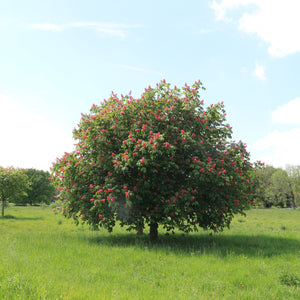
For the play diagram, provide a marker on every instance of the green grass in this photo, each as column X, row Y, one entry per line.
column 43, row 256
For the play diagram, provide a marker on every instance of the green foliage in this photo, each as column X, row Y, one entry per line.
column 13, row 184
column 42, row 190
column 277, row 187
column 280, row 188
column 160, row 159
column 263, row 180
column 294, row 175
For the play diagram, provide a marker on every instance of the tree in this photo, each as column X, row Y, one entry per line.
column 281, row 189
column 263, row 179
column 42, row 190
column 294, row 176
column 13, row 182
column 159, row 159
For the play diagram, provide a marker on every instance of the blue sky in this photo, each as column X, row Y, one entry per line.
column 57, row 58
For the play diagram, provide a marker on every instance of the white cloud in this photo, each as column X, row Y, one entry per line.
column 279, row 148
column 105, row 29
column 275, row 22
column 28, row 140
column 288, row 113
column 259, row 72
column 222, row 7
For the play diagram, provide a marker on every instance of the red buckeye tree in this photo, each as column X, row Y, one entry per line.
column 160, row 159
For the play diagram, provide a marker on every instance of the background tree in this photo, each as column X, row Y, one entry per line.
column 13, row 183
column 294, row 176
column 281, row 189
column 42, row 190
column 160, row 159
column 263, row 179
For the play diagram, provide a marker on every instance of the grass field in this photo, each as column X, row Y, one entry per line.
column 44, row 256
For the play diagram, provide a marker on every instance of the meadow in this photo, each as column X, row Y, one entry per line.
column 44, row 256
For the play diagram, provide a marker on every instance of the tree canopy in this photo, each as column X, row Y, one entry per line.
column 42, row 190
column 277, row 187
column 13, row 183
column 162, row 158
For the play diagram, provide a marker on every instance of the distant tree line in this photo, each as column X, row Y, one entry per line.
column 277, row 187
column 273, row 187
column 25, row 186
column 13, row 184
column 41, row 189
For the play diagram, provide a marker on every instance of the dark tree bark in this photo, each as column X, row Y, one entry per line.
column 153, row 231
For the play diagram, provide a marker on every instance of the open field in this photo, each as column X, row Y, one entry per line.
column 44, row 256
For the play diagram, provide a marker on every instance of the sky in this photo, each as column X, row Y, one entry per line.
column 58, row 57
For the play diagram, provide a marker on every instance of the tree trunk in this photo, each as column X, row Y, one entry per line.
column 153, row 231
column 265, row 203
